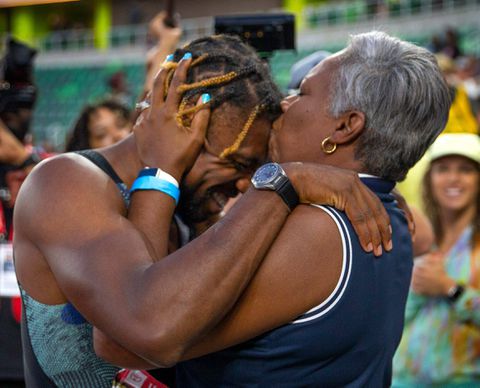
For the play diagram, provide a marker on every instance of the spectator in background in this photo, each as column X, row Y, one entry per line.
column 119, row 92
column 440, row 343
column 372, row 7
column 100, row 125
column 136, row 15
column 461, row 117
column 165, row 42
column 446, row 44
column 14, row 171
column 435, row 45
column 107, row 122
column 301, row 68
column 17, row 98
column 452, row 48
column 469, row 74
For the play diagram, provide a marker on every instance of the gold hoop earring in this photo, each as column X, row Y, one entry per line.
column 328, row 147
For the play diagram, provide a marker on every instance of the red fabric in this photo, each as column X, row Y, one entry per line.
column 136, row 379
column 16, row 304
column 3, row 223
column 14, row 180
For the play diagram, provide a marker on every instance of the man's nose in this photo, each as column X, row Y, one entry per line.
column 242, row 184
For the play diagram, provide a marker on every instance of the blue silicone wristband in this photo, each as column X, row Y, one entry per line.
column 152, row 183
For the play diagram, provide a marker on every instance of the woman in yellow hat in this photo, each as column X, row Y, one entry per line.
column 441, row 339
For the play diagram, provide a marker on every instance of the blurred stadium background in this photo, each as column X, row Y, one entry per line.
column 83, row 43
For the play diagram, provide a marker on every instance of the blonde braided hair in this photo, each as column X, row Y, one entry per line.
column 187, row 108
column 243, row 133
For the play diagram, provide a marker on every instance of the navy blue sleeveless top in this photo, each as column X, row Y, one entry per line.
column 346, row 341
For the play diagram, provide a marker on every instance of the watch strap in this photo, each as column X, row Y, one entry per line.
column 287, row 192
column 455, row 292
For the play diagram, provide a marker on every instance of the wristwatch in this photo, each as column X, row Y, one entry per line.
column 271, row 176
column 455, row 292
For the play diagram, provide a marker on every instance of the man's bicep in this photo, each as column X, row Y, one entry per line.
column 299, row 272
column 80, row 234
column 93, row 261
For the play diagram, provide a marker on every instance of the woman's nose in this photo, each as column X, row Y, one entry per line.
column 453, row 175
column 286, row 102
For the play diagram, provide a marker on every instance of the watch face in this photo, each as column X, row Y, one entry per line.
column 266, row 173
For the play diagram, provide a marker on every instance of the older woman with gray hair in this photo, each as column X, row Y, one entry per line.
column 321, row 311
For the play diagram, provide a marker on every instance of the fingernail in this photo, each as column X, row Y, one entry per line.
column 369, row 247
column 187, row 56
column 389, row 245
column 169, row 58
column 206, row 98
column 378, row 251
column 390, row 229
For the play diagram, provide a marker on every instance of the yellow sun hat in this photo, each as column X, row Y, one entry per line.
column 463, row 144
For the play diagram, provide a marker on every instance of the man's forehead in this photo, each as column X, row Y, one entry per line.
column 253, row 146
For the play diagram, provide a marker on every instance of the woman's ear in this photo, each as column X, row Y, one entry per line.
column 350, row 127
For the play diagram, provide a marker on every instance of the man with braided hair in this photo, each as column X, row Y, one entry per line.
column 88, row 257
column 243, row 96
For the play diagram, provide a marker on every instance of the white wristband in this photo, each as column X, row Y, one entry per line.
column 160, row 174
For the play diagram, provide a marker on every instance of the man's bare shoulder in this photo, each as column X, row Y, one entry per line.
column 61, row 170
column 66, row 185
